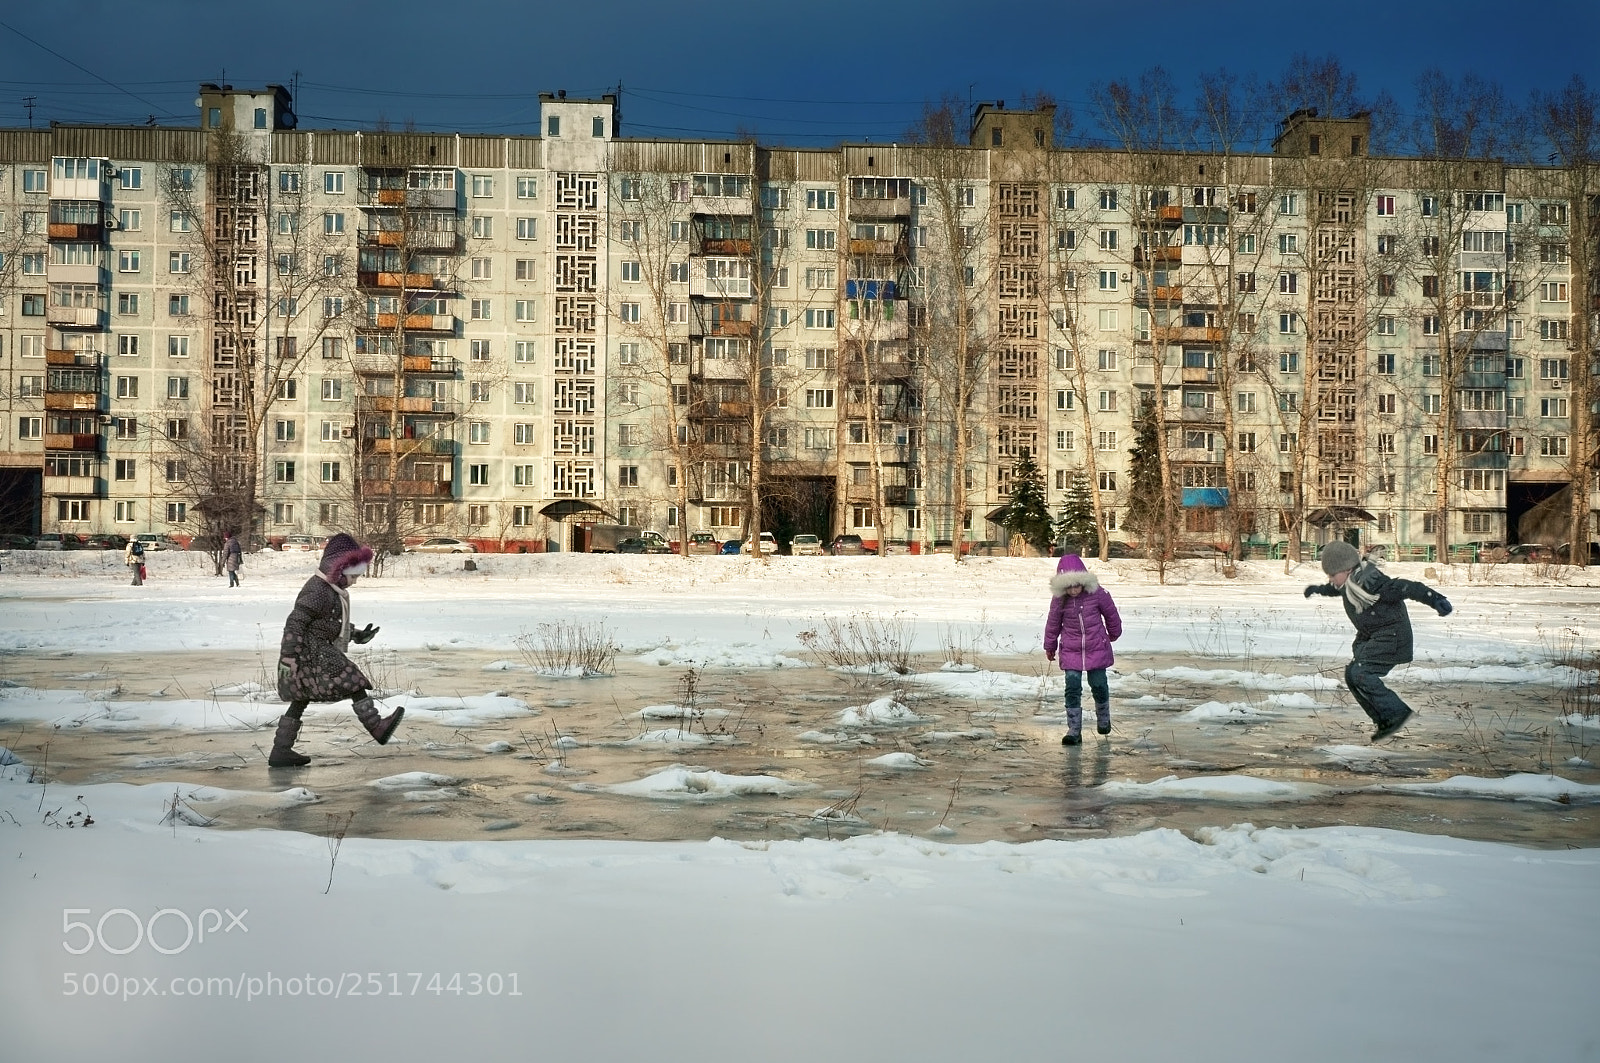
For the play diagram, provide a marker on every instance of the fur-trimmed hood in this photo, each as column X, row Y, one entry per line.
column 341, row 552
column 1070, row 572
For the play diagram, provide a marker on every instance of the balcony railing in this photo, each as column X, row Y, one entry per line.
column 378, row 489
column 874, row 209
column 414, row 322
column 408, row 281
column 404, row 404
column 429, row 363
column 72, row 400
column 89, row 486
column 79, row 441
column 77, row 232
column 80, row 359
column 409, row 447
column 73, row 316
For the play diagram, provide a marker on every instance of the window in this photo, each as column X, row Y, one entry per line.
column 1288, row 401
column 628, row 313
column 1246, row 283
column 285, row 431
column 483, row 227
column 1105, row 440
column 1553, row 408
column 1065, row 441
column 1288, row 244
column 1553, row 292
column 528, row 229
column 1247, row 442
column 1107, row 480
column 127, row 387
column 1108, row 320
column 333, row 182
column 1288, row 283
column 481, row 309
column 30, row 428
column 333, row 223
column 283, row 472
column 1553, row 446
column 1108, row 280
column 1108, row 199
column 177, row 387
column 1065, row 400
column 1288, row 324
column 33, row 264
column 478, row 391
column 527, row 188
column 1066, row 239
column 819, row 398
column 524, row 309
column 478, row 432
column 1385, row 206
column 1287, row 442
column 1553, row 368
column 482, row 186
column 332, row 389
column 523, row 351
column 128, row 262
column 820, row 239
column 1106, row 359
column 820, row 319
column 1289, row 203
column 331, row 472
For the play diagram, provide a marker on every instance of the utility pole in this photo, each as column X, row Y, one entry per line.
column 28, row 102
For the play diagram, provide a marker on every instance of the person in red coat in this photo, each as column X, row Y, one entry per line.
column 1083, row 624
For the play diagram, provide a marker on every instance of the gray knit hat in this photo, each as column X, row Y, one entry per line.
column 1339, row 556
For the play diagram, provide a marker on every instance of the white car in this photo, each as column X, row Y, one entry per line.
column 442, row 544
column 805, row 546
column 769, row 545
column 299, row 542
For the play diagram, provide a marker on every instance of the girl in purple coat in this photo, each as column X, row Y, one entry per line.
column 1082, row 626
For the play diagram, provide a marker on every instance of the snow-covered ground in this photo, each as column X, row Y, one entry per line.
column 145, row 935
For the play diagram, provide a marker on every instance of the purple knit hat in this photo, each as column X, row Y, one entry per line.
column 341, row 552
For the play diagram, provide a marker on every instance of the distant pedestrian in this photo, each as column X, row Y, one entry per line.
column 232, row 557
column 133, row 557
column 1376, row 605
column 1082, row 626
column 312, row 665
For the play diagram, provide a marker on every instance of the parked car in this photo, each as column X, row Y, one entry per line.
column 730, row 547
column 704, row 543
column 303, row 543
column 58, row 541
column 1531, row 554
column 442, row 544
column 108, row 542
column 16, row 541
column 769, row 544
column 157, row 541
column 639, row 545
column 846, row 544
column 804, row 545
column 1564, row 554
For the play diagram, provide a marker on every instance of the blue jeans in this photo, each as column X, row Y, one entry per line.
column 1365, row 681
column 1102, row 699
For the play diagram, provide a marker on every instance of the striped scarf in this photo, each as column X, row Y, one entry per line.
column 1358, row 596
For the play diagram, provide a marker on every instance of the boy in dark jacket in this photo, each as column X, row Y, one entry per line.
column 1376, row 605
column 312, row 665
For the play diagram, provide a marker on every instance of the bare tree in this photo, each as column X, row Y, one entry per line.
column 1568, row 121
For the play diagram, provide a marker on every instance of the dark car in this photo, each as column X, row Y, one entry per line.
column 1531, row 554
column 843, row 545
column 730, row 547
column 1564, row 554
column 642, row 546
column 108, row 542
column 15, row 541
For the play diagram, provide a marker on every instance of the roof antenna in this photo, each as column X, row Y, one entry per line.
column 28, row 102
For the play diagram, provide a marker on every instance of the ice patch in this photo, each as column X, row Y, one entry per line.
column 1213, row 788
column 681, row 783
column 462, row 712
column 413, row 780
column 700, row 653
column 900, row 761
column 1225, row 712
column 835, row 738
column 884, row 712
column 1519, row 787
column 1247, row 680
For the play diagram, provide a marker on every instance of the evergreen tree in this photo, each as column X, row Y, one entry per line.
column 1150, row 515
column 1075, row 525
column 1026, row 514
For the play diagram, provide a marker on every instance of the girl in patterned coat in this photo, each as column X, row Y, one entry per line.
column 1083, row 624
column 312, row 665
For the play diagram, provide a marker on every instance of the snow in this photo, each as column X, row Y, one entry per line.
column 1224, row 943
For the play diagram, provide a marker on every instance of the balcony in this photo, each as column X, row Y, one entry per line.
column 410, row 447
column 414, row 198
column 429, row 363
column 1480, row 419
column 74, row 316
column 1198, row 375
column 78, row 359
column 871, row 289
column 884, row 371
column 1159, row 295
column 1172, row 216
column 898, row 207
column 78, row 273
column 724, row 327
column 1480, row 341
column 75, row 441
column 721, row 206
column 879, row 248
column 1189, row 334
column 80, row 401
column 718, row 287
column 76, row 232
column 1194, row 415
column 404, row 404
column 377, row 489
column 83, row 189
column 1165, row 254
column 414, row 322
column 80, row 486
column 399, row 281
column 725, row 246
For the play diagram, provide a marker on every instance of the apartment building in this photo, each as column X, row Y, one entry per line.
column 243, row 324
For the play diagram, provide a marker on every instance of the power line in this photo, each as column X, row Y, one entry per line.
column 86, row 70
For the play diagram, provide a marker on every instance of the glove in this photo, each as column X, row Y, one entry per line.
column 286, row 670
column 364, row 635
column 1443, row 607
column 1311, row 590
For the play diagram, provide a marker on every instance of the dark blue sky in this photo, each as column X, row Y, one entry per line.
column 809, row 73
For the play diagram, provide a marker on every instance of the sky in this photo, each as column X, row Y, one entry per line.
column 810, row 74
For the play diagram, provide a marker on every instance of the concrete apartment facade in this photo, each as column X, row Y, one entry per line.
column 244, row 324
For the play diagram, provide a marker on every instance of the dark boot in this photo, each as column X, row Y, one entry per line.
column 379, row 727
column 283, row 754
column 1074, row 725
column 1102, row 717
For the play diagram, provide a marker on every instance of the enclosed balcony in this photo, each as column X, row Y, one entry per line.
column 75, row 486
column 405, row 404
column 413, row 322
column 719, row 278
column 81, row 179
column 77, row 359
column 726, row 195
column 77, row 221
column 425, row 489
column 409, row 446
column 396, row 281
column 874, row 198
